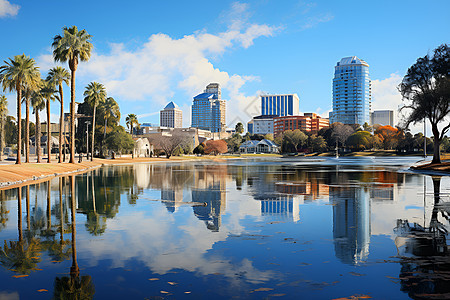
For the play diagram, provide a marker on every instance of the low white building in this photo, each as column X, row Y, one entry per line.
column 142, row 147
column 263, row 146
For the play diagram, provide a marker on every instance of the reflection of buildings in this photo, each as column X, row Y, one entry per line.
column 351, row 223
column 210, row 188
column 286, row 207
column 172, row 199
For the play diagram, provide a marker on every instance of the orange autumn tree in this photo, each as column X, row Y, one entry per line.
column 216, row 147
column 389, row 136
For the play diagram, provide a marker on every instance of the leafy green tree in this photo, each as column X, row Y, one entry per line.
column 3, row 113
column 94, row 94
column 200, row 149
column 57, row 76
column 119, row 140
column 360, row 140
column 234, row 142
column 239, row 128
column 14, row 75
column 110, row 110
column 296, row 138
column 426, row 89
column 318, row 144
column 72, row 47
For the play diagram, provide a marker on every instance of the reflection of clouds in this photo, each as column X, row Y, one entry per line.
column 9, row 296
column 164, row 241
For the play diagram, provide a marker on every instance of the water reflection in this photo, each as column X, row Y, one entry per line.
column 238, row 225
column 425, row 274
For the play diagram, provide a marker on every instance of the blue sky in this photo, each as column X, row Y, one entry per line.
column 148, row 53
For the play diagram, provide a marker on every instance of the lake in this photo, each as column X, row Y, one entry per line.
column 297, row 228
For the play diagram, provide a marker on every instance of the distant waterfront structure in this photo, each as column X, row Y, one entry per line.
column 352, row 92
column 171, row 116
column 309, row 122
column 382, row 117
column 280, row 105
column 261, row 124
column 208, row 109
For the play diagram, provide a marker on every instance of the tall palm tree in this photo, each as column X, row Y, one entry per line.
column 110, row 109
column 3, row 113
column 94, row 94
column 26, row 94
column 13, row 75
column 58, row 76
column 48, row 93
column 38, row 103
column 131, row 120
column 72, row 46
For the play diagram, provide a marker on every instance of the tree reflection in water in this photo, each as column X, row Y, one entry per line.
column 426, row 273
column 20, row 256
column 74, row 286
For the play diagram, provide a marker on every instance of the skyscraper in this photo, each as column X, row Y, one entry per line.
column 208, row 109
column 352, row 94
column 171, row 116
column 280, row 105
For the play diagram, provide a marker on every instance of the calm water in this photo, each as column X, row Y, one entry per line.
column 303, row 229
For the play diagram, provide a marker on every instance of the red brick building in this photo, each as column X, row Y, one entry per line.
column 309, row 122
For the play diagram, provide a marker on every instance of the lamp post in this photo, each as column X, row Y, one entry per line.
column 87, row 139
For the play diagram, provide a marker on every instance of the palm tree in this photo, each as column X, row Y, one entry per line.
column 13, row 75
column 72, row 46
column 57, row 76
column 3, row 112
column 48, row 93
column 110, row 109
column 131, row 120
column 94, row 94
column 38, row 103
column 26, row 94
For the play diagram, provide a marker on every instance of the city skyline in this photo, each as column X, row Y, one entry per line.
column 149, row 61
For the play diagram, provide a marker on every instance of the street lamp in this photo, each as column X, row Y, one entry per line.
column 87, row 139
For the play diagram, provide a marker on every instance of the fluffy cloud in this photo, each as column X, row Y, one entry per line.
column 385, row 93
column 164, row 68
column 7, row 9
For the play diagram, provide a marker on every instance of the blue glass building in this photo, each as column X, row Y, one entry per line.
column 280, row 105
column 208, row 109
column 352, row 93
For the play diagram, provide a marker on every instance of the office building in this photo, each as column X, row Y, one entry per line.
column 309, row 122
column 280, row 105
column 382, row 117
column 261, row 124
column 352, row 95
column 171, row 116
column 208, row 109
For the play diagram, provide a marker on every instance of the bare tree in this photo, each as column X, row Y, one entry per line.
column 341, row 132
column 169, row 143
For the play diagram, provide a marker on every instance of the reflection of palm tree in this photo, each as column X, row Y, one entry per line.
column 20, row 256
column 73, row 287
column 3, row 211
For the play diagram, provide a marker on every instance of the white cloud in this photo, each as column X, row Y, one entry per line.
column 7, row 9
column 385, row 93
column 314, row 21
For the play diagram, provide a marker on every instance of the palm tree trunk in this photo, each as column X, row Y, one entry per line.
column 61, row 121
column 19, row 123
column 93, row 132
column 28, row 208
column 74, row 269
column 49, row 133
column 19, row 213
column 2, row 136
column 49, row 207
column 72, row 115
column 61, row 232
column 27, row 131
column 37, row 137
column 104, row 133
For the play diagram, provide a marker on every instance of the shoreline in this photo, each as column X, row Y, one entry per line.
column 12, row 175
